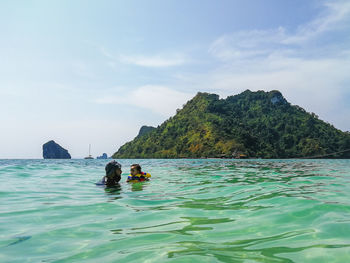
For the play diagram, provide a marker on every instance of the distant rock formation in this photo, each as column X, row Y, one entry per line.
column 52, row 150
column 103, row 156
column 144, row 130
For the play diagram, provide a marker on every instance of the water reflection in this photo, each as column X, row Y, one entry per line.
column 243, row 250
column 191, row 226
column 136, row 187
column 19, row 240
column 113, row 191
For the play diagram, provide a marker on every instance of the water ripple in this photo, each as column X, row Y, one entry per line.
column 191, row 211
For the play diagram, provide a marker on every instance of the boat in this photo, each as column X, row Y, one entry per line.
column 89, row 157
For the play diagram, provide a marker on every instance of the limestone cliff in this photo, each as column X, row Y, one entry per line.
column 52, row 150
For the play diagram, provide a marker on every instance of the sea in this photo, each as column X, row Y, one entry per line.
column 193, row 210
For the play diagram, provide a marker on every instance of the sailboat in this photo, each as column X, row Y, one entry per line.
column 89, row 157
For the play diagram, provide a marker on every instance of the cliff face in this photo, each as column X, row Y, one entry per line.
column 52, row 150
column 251, row 124
column 144, row 130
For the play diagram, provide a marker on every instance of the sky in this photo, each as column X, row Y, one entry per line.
column 93, row 72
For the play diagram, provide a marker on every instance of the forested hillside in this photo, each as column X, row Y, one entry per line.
column 251, row 124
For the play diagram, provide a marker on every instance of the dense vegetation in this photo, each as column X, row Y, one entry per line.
column 252, row 124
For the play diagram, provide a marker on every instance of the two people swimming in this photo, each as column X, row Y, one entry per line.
column 114, row 172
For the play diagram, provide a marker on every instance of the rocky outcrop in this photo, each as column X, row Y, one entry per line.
column 103, row 156
column 277, row 97
column 52, row 150
column 144, row 130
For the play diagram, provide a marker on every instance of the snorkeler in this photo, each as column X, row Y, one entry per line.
column 137, row 175
column 113, row 174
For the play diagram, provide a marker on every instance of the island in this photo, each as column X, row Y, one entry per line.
column 248, row 125
column 52, row 150
column 103, row 156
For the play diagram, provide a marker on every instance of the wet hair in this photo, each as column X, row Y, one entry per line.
column 136, row 166
column 111, row 167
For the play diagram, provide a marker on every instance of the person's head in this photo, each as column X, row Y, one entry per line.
column 113, row 171
column 135, row 169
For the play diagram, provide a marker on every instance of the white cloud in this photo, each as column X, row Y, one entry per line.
column 246, row 44
column 106, row 53
column 254, row 43
column 159, row 99
column 153, row 61
column 304, row 80
column 157, row 61
column 336, row 16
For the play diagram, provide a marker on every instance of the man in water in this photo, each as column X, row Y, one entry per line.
column 137, row 175
column 113, row 174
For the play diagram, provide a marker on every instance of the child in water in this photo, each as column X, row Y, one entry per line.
column 137, row 175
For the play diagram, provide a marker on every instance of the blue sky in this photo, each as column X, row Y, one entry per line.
column 82, row 72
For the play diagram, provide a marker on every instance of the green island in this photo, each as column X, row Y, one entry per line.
column 248, row 125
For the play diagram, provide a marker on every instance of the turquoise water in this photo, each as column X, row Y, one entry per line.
column 191, row 211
